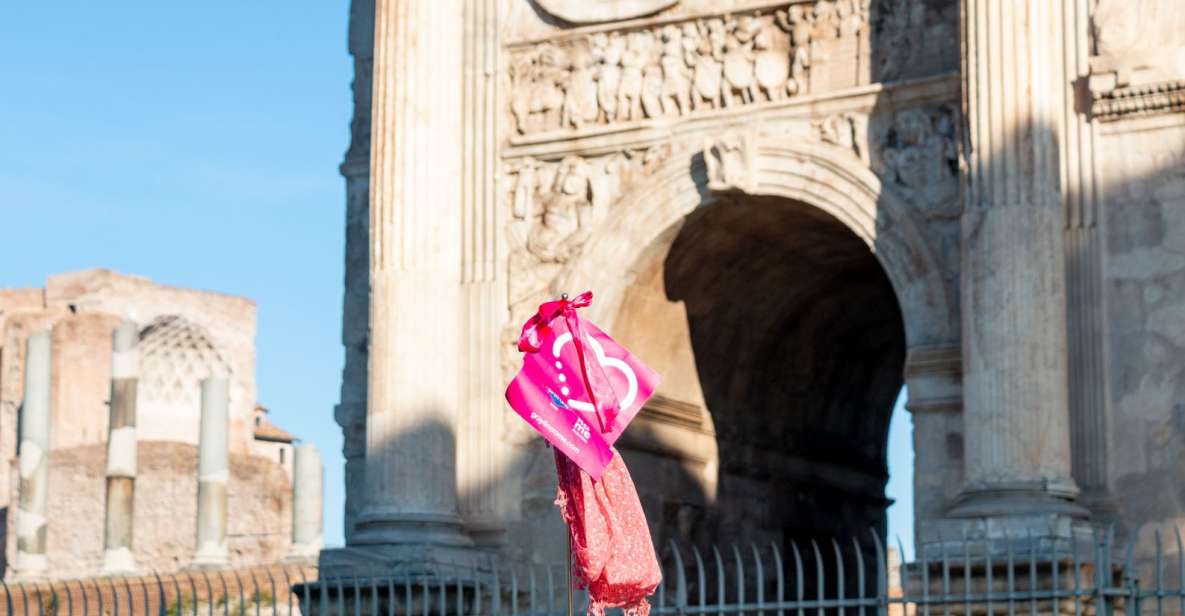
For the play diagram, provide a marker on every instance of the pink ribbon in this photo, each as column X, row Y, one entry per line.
column 603, row 398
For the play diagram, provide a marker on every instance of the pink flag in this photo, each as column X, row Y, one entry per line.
column 578, row 388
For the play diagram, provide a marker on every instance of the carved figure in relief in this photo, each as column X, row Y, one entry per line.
column 795, row 21
column 846, row 130
column 652, row 91
column 919, row 153
column 580, row 97
column 676, row 86
column 738, row 61
column 771, row 64
column 851, row 18
column 729, row 161
column 525, row 185
column 608, row 50
column 708, row 77
column 826, row 20
column 547, row 92
column 569, row 210
column 629, row 93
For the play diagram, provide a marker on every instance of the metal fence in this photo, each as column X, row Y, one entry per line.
column 853, row 577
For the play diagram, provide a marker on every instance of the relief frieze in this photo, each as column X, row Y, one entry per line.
column 674, row 69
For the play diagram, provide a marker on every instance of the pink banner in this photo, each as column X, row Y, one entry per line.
column 561, row 389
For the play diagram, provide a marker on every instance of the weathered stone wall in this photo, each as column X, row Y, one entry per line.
column 164, row 531
column 1143, row 193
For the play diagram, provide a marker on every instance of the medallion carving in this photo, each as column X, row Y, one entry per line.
column 595, row 11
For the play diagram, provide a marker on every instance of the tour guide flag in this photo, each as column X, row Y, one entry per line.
column 578, row 388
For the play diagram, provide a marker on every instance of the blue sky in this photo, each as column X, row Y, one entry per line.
column 197, row 144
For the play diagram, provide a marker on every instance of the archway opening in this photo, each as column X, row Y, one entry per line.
column 778, row 325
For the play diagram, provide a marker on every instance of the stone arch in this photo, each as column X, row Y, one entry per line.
column 827, row 177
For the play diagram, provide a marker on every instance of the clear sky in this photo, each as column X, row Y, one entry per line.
column 197, row 144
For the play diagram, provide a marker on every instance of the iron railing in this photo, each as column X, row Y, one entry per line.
column 967, row 577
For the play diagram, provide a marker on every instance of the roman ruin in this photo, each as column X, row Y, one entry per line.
column 790, row 209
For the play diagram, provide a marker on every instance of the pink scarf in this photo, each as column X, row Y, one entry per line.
column 612, row 554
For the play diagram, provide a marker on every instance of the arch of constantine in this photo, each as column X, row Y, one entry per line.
column 790, row 209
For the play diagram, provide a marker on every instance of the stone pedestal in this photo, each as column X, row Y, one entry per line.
column 118, row 557
column 213, row 474
column 307, row 502
column 410, row 496
column 33, row 459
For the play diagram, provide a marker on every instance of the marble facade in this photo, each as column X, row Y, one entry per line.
column 791, row 209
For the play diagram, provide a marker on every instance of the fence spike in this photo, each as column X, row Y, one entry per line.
column 860, row 581
column 719, row 580
column 1159, row 574
column 70, row 599
column 780, row 571
column 819, row 576
column 840, row 575
column 924, row 577
column 1180, row 570
column 736, row 555
column 304, row 585
column 759, row 578
column 945, row 556
column 160, row 595
column 700, row 577
column 1011, row 572
column 680, row 578
column 496, row 598
column 98, row 595
column 882, row 575
column 8, row 597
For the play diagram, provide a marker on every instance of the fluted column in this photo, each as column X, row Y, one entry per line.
column 484, row 304
column 121, row 451
column 33, row 459
column 1084, row 277
column 415, row 204
column 1017, row 438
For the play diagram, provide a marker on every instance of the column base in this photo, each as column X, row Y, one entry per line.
column 304, row 552
column 386, row 560
column 210, row 557
column 1021, row 498
column 1048, row 535
column 30, row 567
column 382, row 528
column 119, row 561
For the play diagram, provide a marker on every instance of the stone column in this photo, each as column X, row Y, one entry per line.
column 33, row 454
column 1017, row 437
column 307, row 498
column 121, row 451
column 213, row 473
column 480, row 465
column 350, row 412
column 415, row 231
column 1084, row 276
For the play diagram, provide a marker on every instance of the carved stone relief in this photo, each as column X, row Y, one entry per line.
column 847, row 130
column 915, row 150
column 556, row 204
column 680, row 68
column 729, row 161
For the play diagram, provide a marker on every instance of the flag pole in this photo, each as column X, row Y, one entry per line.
column 564, row 296
column 570, row 607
